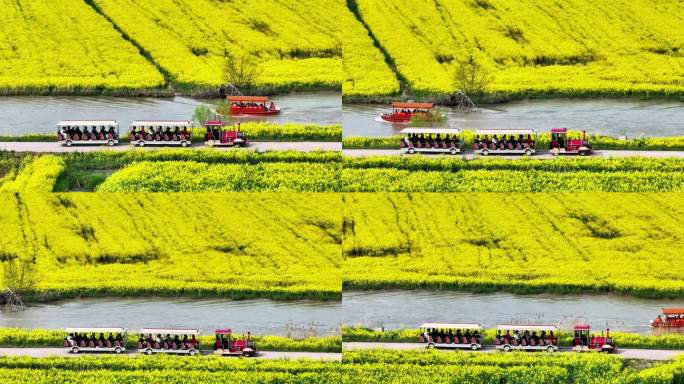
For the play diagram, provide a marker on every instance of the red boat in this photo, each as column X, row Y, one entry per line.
column 252, row 105
column 402, row 113
column 670, row 318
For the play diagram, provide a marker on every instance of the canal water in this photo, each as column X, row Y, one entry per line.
column 612, row 117
column 397, row 309
column 40, row 114
column 260, row 316
column 389, row 309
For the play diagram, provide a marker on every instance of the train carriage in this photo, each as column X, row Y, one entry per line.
column 527, row 338
column 96, row 339
column 88, row 132
column 452, row 336
column 431, row 140
column 505, row 142
column 169, row 341
column 161, row 133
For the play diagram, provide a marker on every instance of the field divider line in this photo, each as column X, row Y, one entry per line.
column 403, row 82
column 143, row 52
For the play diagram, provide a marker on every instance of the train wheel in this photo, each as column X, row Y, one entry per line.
column 141, row 143
column 184, row 143
column 485, row 152
column 193, row 352
column 528, row 152
column 453, row 151
column 430, row 346
column 507, row 348
column 474, row 347
column 550, row 349
column 117, row 350
column 411, row 150
column 148, row 351
column 110, row 143
column 74, row 350
column 68, row 143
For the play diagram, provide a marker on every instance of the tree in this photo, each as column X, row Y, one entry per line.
column 19, row 275
column 472, row 77
column 241, row 71
column 202, row 114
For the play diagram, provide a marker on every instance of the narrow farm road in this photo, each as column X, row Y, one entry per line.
column 49, row 147
column 641, row 354
column 539, row 155
column 47, row 352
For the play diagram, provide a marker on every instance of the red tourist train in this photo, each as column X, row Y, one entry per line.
column 670, row 318
column 510, row 337
column 252, row 105
column 174, row 341
column 493, row 142
column 562, row 145
column 228, row 345
column 220, row 135
column 584, row 340
column 402, row 113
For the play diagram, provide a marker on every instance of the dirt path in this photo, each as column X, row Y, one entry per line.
column 47, row 147
column 46, row 352
column 641, row 354
column 539, row 155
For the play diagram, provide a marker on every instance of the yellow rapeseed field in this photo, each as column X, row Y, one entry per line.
column 543, row 242
column 228, row 244
column 570, row 47
column 295, row 43
column 64, row 46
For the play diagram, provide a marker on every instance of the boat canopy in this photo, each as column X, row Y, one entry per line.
column 673, row 311
column 412, row 105
column 249, row 99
